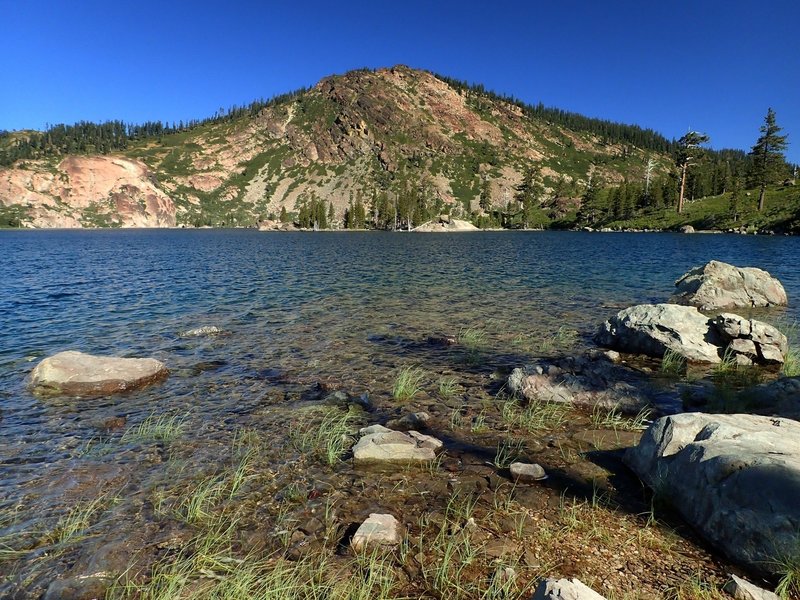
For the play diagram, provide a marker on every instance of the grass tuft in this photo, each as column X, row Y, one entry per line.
column 407, row 383
column 673, row 363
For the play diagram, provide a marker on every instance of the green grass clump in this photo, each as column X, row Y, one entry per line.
column 791, row 363
column 328, row 437
column 407, row 383
column 536, row 415
column 508, row 451
column 473, row 341
column 156, row 428
column 673, row 363
column 614, row 419
column 447, row 388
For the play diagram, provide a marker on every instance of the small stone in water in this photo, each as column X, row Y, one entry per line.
column 527, row 473
column 378, row 529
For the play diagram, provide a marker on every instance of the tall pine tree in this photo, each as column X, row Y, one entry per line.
column 768, row 159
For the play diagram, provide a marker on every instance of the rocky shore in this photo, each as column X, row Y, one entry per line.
column 569, row 480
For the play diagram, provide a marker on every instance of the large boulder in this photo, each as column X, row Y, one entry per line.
column 653, row 329
column 718, row 285
column 564, row 589
column 79, row 374
column 380, row 444
column 735, row 478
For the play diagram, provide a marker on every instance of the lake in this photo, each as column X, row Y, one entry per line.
column 302, row 314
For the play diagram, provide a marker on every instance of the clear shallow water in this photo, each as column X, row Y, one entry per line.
column 345, row 309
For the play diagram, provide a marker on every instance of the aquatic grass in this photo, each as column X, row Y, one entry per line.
column 614, row 419
column 479, row 423
column 198, row 505
column 791, row 363
column 473, row 341
column 507, row 452
column 156, row 428
column 407, row 383
column 728, row 375
column 673, row 363
column 447, row 387
column 536, row 415
column 72, row 526
column 329, row 437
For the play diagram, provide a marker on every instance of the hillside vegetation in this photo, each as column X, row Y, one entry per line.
column 387, row 148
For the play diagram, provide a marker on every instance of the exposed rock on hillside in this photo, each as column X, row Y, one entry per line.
column 735, row 478
column 82, row 191
column 718, row 285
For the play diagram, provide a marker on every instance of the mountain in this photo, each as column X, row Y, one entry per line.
column 395, row 138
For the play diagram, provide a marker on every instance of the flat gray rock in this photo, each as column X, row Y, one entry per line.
column 379, row 444
column 79, row 374
column 377, row 530
column 718, row 285
column 564, row 589
column 734, row 478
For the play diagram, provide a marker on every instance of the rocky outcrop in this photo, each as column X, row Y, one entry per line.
column 564, row 589
column 735, row 478
column 718, row 285
column 586, row 381
column 87, row 191
column 446, row 224
column 652, row 329
column 377, row 530
column 79, row 374
column 381, row 445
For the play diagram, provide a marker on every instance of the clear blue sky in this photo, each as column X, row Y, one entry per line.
column 709, row 65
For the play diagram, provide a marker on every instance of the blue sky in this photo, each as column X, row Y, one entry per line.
column 708, row 65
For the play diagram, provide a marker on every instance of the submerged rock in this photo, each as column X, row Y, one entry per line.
column 201, row 331
column 380, row 444
column 735, row 478
column 653, row 329
column 82, row 374
column 564, row 589
column 377, row 530
column 778, row 398
column 718, row 285
column 586, row 381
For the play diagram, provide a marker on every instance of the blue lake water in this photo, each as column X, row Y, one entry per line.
column 296, row 309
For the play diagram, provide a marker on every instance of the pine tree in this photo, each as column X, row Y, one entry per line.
column 331, row 214
column 529, row 193
column 688, row 154
column 735, row 199
column 486, row 196
column 768, row 159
